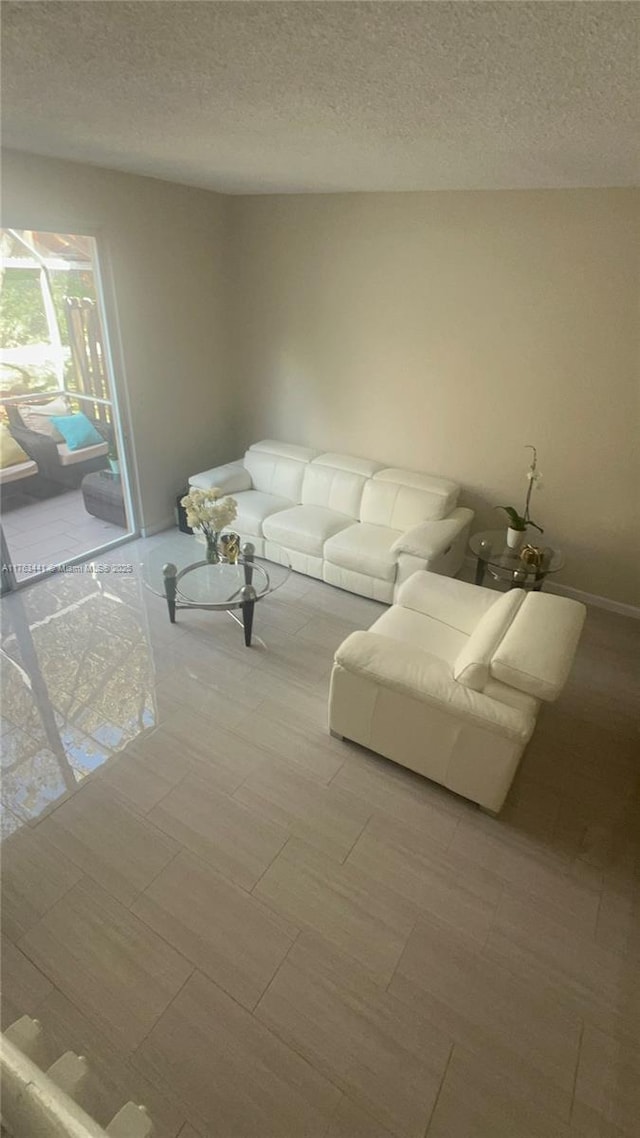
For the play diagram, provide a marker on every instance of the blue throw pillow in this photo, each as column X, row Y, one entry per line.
column 77, row 431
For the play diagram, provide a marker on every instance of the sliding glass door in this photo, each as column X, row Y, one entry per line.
column 64, row 483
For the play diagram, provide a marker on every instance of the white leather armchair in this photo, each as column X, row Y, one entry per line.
column 448, row 681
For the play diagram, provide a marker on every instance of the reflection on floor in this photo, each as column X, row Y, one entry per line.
column 47, row 532
column 258, row 930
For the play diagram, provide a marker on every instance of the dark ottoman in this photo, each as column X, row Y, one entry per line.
column 102, row 496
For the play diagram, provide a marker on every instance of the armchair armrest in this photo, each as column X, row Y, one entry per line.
column 410, row 670
column 230, row 478
column 429, row 540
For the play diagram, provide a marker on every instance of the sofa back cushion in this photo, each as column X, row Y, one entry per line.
column 536, row 653
column 400, row 499
column 472, row 664
column 11, row 453
column 336, row 481
column 37, row 416
column 278, row 468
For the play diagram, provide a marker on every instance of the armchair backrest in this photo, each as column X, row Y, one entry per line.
column 337, row 482
column 525, row 640
column 278, row 468
column 403, row 498
column 473, row 664
column 537, row 650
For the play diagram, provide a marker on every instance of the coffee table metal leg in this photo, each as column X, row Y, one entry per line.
column 248, row 595
column 538, row 583
column 248, row 550
column 480, row 570
column 170, row 573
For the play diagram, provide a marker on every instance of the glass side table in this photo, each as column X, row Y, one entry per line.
column 504, row 564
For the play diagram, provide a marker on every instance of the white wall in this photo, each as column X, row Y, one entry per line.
column 444, row 331
column 165, row 247
column 440, row 331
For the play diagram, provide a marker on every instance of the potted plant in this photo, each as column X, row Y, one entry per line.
column 107, row 433
column 518, row 522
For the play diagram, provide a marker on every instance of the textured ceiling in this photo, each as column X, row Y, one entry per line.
column 282, row 97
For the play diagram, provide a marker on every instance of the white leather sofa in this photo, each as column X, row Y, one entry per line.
column 347, row 521
column 448, row 681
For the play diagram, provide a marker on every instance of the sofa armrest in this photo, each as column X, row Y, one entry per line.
column 429, row 540
column 408, row 669
column 41, row 448
column 229, row 478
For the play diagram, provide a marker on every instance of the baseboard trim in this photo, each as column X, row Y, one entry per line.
column 599, row 602
column 621, row 607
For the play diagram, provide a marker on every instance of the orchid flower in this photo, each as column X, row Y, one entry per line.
column 534, row 478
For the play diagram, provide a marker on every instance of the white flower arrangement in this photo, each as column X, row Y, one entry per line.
column 208, row 511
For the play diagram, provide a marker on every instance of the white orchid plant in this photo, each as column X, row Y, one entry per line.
column 521, row 521
column 208, row 511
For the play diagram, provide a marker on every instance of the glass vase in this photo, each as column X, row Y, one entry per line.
column 213, row 553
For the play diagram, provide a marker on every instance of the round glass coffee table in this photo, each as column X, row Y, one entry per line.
column 504, row 564
column 177, row 570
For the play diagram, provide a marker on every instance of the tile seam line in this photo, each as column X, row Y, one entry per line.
column 439, row 1092
column 270, row 914
column 33, row 965
column 242, row 1008
column 124, row 1053
column 134, row 1050
column 89, row 877
column 575, row 1073
column 141, row 892
column 83, row 877
column 289, row 838
column 360, row 834
column 274, row 975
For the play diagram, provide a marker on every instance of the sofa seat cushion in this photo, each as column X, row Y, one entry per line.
column 253, row 507
column 364, row 548
column 19, row 470
column 435, row 637
column 305, row 528
column 69, row 457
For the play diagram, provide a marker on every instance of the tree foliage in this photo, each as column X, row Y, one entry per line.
column 22, row 315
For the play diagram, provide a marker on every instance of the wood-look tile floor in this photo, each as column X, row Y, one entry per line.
column 258, row 930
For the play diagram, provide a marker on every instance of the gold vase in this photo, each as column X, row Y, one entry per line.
column 230, row 546
column 531, row 555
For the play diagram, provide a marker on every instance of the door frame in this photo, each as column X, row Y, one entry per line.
column 104, row 285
